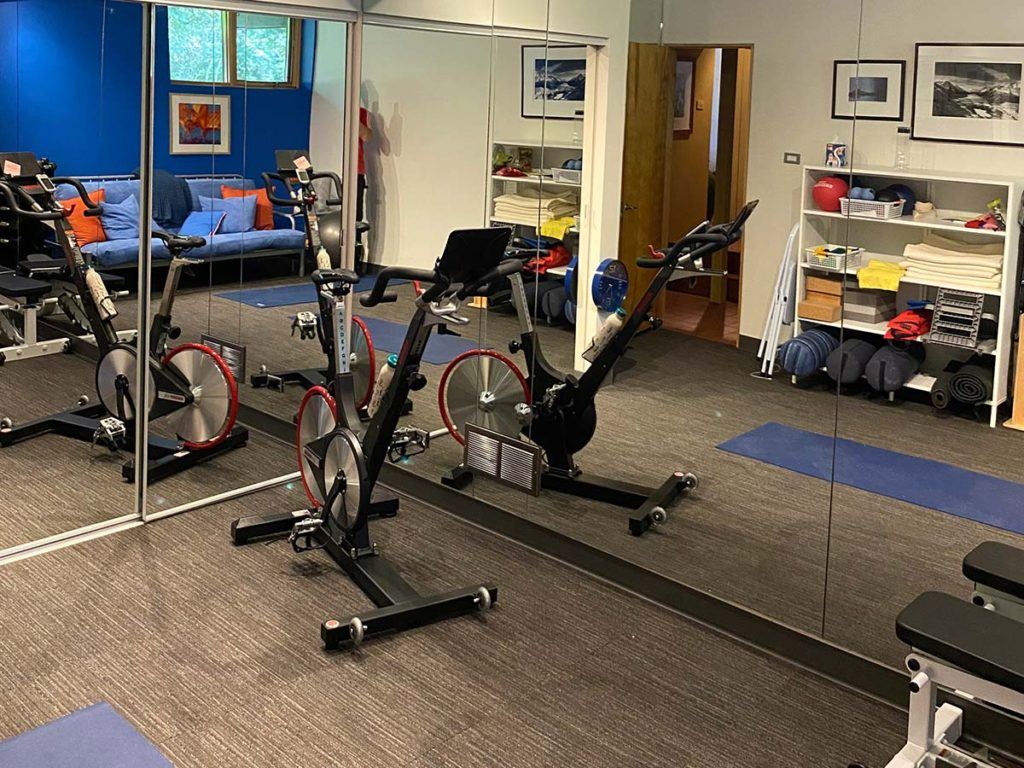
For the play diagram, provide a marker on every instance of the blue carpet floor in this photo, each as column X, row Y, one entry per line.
column 94, row 737
column 926, row 483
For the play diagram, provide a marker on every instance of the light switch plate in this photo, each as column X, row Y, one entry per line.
column 791, row 158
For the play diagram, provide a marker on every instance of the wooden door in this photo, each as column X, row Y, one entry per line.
column 650, row 81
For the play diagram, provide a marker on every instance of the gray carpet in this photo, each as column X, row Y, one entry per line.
column 213, row 653
column 752, row 534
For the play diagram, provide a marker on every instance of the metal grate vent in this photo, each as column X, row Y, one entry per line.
column 507, row 459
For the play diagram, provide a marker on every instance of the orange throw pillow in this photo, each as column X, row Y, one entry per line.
column 88, row 229
column 264, row 210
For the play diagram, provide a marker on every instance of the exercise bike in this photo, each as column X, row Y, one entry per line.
column 189, row 386
column 306, row 324
column 340, row 466
column 556, row 411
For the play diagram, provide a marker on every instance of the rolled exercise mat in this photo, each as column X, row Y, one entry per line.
column 940, row 389
column 847, row 363
column 891, row 368
column 972, row 384
column 806, row 353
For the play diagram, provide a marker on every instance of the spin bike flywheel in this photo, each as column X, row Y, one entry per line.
column 211, row 416
column 342, row 453
column 204, row 423
column 485, row 388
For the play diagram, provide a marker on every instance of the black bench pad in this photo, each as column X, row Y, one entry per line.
column 967, row 636
column 17, row 287
column 998, row 566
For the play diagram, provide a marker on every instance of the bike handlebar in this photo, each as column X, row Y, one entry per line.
column 380, row 295
column 11, row 193
column 701, row 241
column 91, row 208
column 269, row 177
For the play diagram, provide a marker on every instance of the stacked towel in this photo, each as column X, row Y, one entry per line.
column 953, row 264
column 533, row 207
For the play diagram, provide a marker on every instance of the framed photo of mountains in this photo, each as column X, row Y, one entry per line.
column 868, row 89
column 969, row 93
column 554, row 81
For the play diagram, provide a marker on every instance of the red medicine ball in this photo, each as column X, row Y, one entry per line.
column 828, row 191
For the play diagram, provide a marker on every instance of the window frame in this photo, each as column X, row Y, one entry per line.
column 231, row 58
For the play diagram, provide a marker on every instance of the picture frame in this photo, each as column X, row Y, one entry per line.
column 554, row 81
column 953, row 98
column 684, row 97
column 869, row 89
column 200, row 124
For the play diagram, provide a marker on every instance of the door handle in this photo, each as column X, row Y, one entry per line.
column 628, row 207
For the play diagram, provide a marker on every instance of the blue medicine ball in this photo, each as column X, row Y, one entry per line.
column 908, row 197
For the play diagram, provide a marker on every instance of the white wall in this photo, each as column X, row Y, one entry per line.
column 327, row 108
column 794, row 46
column 427, row 94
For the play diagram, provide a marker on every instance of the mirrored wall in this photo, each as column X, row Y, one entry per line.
column 69, row 330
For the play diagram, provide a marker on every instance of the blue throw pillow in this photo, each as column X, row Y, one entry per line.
column 241, row 212
column 121, row 220
column 202, row 223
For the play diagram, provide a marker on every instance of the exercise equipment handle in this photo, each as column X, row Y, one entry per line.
column 506, row 268
column 684, row 246
column 322, row 277
column 335, row 180
column 91, row 208
column 179, row 243
column 380, row 295
column 269, row 178
column 11, row 195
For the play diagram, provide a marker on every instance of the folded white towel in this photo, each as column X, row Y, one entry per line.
column 953, row 281
column 953, row 269
column 935, row 255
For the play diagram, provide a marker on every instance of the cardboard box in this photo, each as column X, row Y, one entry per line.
column 830, row 285
column 822, row 311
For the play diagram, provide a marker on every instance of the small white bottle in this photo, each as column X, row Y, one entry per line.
column 323, row 259
column 608, row 329
column 902, row 158
column 384, row 377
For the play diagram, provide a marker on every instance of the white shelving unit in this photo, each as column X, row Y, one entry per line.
column 955, row 195
column 550, row 154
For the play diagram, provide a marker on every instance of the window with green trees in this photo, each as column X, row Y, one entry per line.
column 227, row 48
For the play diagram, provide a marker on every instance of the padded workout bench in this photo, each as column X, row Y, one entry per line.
column 997, row 571
column 957, row 646
column 24, row 297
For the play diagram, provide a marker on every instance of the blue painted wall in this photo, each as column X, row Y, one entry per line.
column 76, row 98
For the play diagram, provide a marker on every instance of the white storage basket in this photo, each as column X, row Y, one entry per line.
column 871, row 209
column 833, row 262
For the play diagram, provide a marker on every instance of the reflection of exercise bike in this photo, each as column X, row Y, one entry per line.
column 190, row 386
column 340, row 467
column 307, row 324
column 556, row 410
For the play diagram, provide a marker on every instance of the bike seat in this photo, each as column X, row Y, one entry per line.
column 328, row 276
column 25, row 288
column 177, row 244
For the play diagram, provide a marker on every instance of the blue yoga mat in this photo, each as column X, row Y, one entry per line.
column 94, row 737
column 283, row 295
column 441, row 349
column 926, row 483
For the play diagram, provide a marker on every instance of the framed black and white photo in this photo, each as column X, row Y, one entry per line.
column 683, row 99
column 969, row 93
column 554, row 81
column 869, row 89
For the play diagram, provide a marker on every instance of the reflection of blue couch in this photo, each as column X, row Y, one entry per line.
column 125, row 253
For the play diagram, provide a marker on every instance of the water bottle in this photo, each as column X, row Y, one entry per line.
column 608, row 330
column 902, row 159
column 323, row 259
column 100, row 297
column 384, row 377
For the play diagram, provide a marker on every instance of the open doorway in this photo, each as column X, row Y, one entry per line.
column 706, row 172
